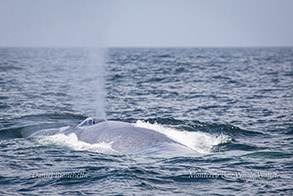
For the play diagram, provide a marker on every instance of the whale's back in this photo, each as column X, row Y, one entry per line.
column 124, row 137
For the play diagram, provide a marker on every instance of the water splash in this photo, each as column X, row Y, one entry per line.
column 72, row 142
column 198, row 141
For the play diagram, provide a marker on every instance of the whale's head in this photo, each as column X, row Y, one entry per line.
column 89, row 122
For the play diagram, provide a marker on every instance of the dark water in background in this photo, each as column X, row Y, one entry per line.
column 233, row 105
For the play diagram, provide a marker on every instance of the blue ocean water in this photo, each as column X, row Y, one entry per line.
column 231, row 105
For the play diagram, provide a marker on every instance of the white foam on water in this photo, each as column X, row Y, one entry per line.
column 198, row 141
column 72, row 142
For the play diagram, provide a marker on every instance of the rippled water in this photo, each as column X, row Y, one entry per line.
column 232, row 105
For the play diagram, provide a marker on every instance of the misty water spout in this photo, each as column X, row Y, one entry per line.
column 96, row 73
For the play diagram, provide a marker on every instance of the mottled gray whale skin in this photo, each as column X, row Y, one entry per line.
column 124, row 137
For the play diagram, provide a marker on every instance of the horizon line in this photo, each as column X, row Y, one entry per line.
column 265, row 46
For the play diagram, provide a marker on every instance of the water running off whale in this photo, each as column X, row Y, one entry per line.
column 124, row 137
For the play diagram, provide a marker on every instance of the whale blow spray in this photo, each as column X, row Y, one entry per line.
column 97, row 73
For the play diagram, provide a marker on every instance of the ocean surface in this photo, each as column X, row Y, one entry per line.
column 233, row 106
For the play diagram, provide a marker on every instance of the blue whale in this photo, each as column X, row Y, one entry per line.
column 124, row 137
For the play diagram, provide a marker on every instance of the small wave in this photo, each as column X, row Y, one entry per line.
column 10, row 133
column 72, row 142
column 198, row 141
column 269, row 155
